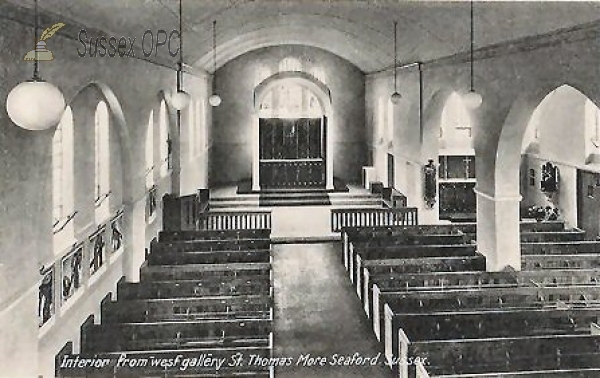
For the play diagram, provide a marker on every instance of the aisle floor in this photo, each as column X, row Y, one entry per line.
column 317, row 312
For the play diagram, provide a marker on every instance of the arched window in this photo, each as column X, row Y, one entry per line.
column 192, row 130
column 455, row 128
column 390, row 121
column 592, row 128
column 290, row 64
column 102, row 162
column 201, row 137
column 165, row 141
column 150, row 152
column 380, row 134
column 62, row 182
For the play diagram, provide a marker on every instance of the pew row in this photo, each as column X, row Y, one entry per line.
column 393, row 282
column 498, row 323
column 475, row 299
column 366, row 252
column 563, row 261
column 191, row 289
column 210, row 245
column 183, row 309
column 176, row 335
column 218, row 257
column 172, row 236
column 480, row 357
column 195, row 271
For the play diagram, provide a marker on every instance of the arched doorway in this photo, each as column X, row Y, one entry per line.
column 574, row 197
column 291, row 143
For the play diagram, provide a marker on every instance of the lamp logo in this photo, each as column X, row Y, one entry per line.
column 41, row 53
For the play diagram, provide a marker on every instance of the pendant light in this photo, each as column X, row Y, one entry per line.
column 472, row 99
column 35, row 104
column 215, row 99
column 395, row 98
column 180, row 99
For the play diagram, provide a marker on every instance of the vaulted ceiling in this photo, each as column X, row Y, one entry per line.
column 360, row 31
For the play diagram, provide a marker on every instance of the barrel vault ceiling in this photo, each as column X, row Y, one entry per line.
column 361, row 31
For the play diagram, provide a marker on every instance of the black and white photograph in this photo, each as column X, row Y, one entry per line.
column 300, row 189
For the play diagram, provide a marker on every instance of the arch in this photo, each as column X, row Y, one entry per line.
column 102, row 187
column 323, row 95
column 508, row 155
column 63, row 196
column 164, row 139
column 303, row 79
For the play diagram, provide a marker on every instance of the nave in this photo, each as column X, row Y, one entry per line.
column 437, row 116
column 318, row 313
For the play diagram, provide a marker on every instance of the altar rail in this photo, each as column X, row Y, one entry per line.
column 235, row 220
column 404, row 216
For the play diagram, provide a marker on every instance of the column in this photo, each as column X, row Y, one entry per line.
column 255, row 154
column 134, row 220
column 498, row 237
column 328, row 153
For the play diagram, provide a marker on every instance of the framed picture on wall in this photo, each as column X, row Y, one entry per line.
column 72, row 273
column 116, row 233
column 98, row 250
column 46, row 295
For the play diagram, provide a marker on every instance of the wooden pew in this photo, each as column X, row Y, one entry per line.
column 171, row 236
column 423, row 234
column 473, row 299
column 559, row 248
column 514, row 354
column 144, row 363
column 195, row 271
column 432, row 281
column 482, row 324
column 183, row 309
column 418, row 265
column 210, row 245
column 177, row 335
column 562, row 261
column 559, row 277
column 367, row 251
column 552, row 236
column 562, row 373
column 190, row 289
column 214, row 257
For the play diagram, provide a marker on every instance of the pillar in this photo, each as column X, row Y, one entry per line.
column 255, row 154
column 329, row 154
column 498, row 237
column 135, row 218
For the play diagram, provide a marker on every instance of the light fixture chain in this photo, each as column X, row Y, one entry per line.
column 472, row 46
column 214, row 54
column 395, row 56
column 36, row 68
column 180, row 64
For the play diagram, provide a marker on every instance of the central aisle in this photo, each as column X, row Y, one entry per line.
column 318, row 313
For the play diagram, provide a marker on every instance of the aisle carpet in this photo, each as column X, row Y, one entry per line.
column 317, row 312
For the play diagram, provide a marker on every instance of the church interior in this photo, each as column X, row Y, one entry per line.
column 295, row 188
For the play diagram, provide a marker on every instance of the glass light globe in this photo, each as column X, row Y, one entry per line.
column 180, row 99
column 35, row 105
column 396, row 97
column 214, row 100
column 472, row 99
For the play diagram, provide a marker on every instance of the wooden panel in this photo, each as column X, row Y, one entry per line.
column 588, row 203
